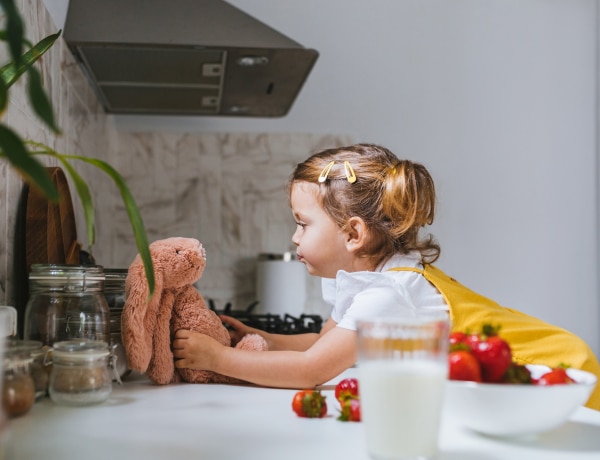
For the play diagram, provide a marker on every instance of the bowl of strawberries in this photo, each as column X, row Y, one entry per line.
column 489, row 393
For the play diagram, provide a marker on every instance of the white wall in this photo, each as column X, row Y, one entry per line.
column 498, row 98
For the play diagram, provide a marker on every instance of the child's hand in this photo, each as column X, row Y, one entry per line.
column 237, row 329
column 194, row 350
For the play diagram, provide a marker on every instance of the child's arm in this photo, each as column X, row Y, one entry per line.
column 331, row 354
column 297, row 342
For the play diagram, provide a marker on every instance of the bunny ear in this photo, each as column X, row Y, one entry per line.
column 138, row 318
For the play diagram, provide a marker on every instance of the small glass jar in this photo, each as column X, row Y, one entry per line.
column 66, row 302
column 18, row 388
column 38, row 368
column 80, row 373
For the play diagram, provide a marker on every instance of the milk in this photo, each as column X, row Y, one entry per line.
column 401, row 405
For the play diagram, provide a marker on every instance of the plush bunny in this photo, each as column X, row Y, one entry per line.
column 148, row 326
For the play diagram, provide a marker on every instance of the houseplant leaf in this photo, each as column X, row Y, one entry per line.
column 14, row 29
column 12, row 147
column 85, row 197
column 39, row 100
column 11, row 72
column 132, row 211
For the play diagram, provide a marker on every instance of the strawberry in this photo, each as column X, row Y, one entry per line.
column 309, row 403
column 457, row 338
column 350, row 411
column 347, row 388
column 492, row 352
column 556, row 376
column 347, row 394
column 462, row 365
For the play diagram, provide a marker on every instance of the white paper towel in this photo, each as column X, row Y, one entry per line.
column 281, row 287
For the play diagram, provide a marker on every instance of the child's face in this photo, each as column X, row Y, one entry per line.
column 321, row 244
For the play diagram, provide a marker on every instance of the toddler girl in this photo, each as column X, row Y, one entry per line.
column 360, row 214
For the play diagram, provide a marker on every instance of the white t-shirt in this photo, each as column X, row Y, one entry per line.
column 367, row 295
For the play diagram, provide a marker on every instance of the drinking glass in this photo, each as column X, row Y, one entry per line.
column 402, row 369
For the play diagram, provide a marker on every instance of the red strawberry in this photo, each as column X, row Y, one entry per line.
column 492, row 352
column 462, row 365
column 347, row 388
column 557, row 376
column 457, row 338
column 350, row 411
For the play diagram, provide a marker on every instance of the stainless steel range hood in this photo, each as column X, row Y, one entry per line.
column 178, row 57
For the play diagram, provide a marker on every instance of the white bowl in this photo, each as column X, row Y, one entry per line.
column 517, row 409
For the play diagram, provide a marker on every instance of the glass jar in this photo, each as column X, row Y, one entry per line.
column 38, row 368
column 114, row 292
column 80, row 372
column 18, row 388
column 66, row 302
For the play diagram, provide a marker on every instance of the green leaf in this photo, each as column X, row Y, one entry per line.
column 14, row 29
column 85, row 196
column 39, row 101
column 3, row 96
column 133, row 213
column 11, row 72
column 34, row 172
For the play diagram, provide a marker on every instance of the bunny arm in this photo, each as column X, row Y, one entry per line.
column 138, row 318
column 161, row 369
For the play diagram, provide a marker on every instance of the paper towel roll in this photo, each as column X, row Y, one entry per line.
column 280, row 285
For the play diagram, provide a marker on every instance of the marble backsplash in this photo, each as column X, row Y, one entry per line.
column 226, row 189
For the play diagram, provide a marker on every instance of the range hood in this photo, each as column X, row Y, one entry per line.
column 185, row 57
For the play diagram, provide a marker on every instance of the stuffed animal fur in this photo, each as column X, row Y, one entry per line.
column 147, row 327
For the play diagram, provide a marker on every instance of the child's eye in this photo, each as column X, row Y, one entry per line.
column 301, row 225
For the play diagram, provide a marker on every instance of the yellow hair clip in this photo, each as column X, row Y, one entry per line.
column 350, row 176
column 325, row 172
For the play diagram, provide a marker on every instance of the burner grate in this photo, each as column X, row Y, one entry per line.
column 270, row 322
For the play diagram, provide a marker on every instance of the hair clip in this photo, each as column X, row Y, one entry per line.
column 350, row 176
column 325, row 172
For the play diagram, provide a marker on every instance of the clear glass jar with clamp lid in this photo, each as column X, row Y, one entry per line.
column 66, row 302
column 80, row 372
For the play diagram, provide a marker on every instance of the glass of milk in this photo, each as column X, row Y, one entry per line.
column 402, row 369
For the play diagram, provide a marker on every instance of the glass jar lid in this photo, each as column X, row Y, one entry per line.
column 25, row 345
column 17, row 358
column 67, row 278
column 43, row 271
column 85, row 350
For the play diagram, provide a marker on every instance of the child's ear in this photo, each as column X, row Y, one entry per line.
column 356, row 235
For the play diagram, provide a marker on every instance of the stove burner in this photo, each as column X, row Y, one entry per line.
column 270, row 322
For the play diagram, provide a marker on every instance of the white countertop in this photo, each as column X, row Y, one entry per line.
column 205, row 422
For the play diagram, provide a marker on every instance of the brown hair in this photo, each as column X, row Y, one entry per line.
column 395, row 198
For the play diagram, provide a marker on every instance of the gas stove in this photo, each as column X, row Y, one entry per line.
column 270, row 322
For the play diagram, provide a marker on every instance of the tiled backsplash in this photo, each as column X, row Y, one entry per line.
column 226, row 189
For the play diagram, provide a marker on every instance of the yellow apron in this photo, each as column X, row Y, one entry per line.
column 531, row 340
